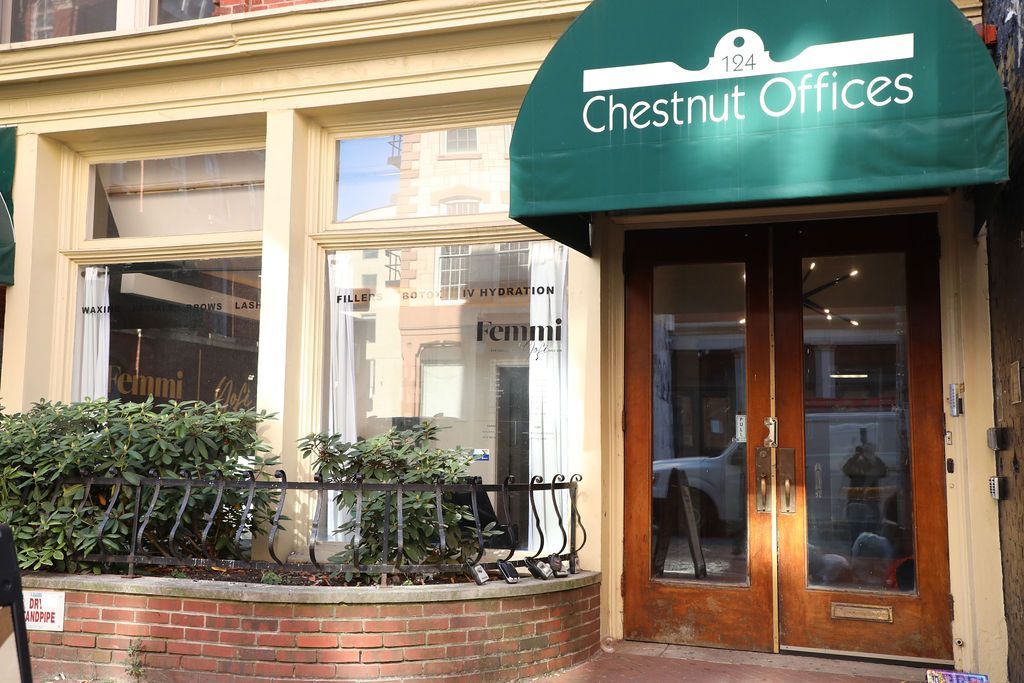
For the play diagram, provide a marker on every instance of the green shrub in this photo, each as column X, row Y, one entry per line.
column 53, row 524
column 409, row 457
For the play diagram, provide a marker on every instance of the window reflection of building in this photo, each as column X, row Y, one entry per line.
column 513, row 264
column 453, row 269
column 460, row 141
column 455, row 172
column 40, row 19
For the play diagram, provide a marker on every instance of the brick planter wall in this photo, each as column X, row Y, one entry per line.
column 229, row 633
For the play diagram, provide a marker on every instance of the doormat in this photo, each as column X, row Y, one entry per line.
column 955, row 677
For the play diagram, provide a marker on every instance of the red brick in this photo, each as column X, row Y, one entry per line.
column 401, row 670
column 315, row 670
column 222, row 622
column 275, row 640
column 148, row 617
column 105, row 599
column 356, row 611
column 81, row 612
column 439, row 608
column 401, row 611
column 413, row 654
column 317, row 640
column 113, row 643
column 298, row 626
column 385, row 626
column 468, row 622
column 124, row 615
column 158, row 661
column 377, row 656
column 500, row 646
column 520, row 631
column 360, row 640
column 430, row 624
column 195, row 635
column 277, row 671
column 263, row 625
column 204, row 606
column 198, row 664
column 260, row 654
column 43, row 637
column 95, row 626
column 75, row 598
column 478, row 606
column 131, row 629
column 247, row 669
column 218, row 651
column 404, row 639
column 345, row 626
column 296, row 656
column 481, row 635
column 75, row 625
column 184, row 648
column 78, row 640
column 137, row 601
column 548, row 626
column 446, row 637
column 171, row 632
column 273, row 610
column 156, row 646
column 165, row 604
column 338, row 656
column 314, row 611
column 237, row 638
column 179, row 619
column 236, row 608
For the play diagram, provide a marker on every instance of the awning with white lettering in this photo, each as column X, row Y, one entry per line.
column 683, row 103
column 7, row 148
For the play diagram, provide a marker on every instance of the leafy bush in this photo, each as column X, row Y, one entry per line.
column 408, row 457
column 54, row 524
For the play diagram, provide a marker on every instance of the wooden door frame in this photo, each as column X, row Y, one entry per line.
column 654, row 610
column 805, row 619
column 917, row 236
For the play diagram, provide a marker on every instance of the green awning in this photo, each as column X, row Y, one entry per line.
column 681, row 103
column 8, row 143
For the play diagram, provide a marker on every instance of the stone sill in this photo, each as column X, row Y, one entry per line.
column 255, row 592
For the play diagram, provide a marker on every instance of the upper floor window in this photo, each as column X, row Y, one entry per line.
column 454, row 172
column 26, row 20
column 460, row 141
column 206, row 193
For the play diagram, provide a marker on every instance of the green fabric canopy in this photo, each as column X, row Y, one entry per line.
column 8, row 143
column 666, row 104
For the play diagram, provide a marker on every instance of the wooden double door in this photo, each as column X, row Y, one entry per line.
column 784, row 480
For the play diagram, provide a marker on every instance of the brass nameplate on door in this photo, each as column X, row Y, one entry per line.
column 845, row 610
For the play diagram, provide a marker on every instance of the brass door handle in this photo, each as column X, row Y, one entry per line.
column 763, row 472
column 787, row 473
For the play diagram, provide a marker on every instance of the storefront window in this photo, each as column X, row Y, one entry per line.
column 38, row 19
column 472, row 336
column 206, row 193
column 175, row 330
column 458, row 172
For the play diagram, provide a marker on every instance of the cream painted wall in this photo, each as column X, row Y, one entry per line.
column 298, row 79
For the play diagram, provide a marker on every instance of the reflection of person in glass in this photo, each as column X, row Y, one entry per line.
column 865, row 470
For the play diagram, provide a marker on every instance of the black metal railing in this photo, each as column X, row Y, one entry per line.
column 470, row 492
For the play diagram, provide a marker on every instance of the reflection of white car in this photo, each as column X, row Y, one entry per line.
column 717, row 484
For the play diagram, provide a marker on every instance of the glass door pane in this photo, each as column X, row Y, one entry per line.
column 699, row 453
column 860, row 527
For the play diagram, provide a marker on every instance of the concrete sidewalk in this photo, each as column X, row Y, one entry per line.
column 652, row 663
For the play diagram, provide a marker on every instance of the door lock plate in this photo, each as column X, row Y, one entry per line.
column 772, row 440
column 763, row 476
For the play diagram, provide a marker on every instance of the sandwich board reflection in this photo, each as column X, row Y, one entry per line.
column 14, row 657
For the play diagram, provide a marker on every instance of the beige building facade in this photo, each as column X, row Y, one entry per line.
column 298, row 85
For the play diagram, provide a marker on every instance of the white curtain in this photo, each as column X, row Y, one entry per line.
column 94, row 360
column 549, row 383
column 341, row 397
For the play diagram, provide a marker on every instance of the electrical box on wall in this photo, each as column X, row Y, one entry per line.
column 997, row 487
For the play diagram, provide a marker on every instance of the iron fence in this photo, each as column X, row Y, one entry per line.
column 474, row 495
